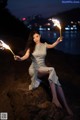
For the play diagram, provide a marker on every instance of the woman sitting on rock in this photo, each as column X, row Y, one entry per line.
column 37, row 51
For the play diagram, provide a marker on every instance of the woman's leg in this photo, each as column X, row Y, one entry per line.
column 54, row 78
column 52, row 81
column 54, row 94
column 61, row 94
column 35, row 82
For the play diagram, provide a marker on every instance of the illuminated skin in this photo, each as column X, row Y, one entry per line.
column 42, row 69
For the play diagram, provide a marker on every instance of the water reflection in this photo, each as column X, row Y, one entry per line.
column 71, row 40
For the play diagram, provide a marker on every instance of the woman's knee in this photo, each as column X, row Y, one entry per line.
column 31, row 72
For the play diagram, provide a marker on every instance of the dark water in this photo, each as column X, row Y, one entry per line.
column 70, row 43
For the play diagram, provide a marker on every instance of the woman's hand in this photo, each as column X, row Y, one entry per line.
column 18, row 58
column 2, row 48
column 59, row 39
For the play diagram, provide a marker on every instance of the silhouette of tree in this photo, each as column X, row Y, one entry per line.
column 12, row 29
column 3, row 4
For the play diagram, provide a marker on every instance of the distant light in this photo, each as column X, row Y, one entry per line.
column 48, row 28
column 74, row 26
column 71, row 22
column 67, row 28
column 50, row 19
column 54, row 34
column 23, row 19
column 48, row 24
column 79, row 22
column 41, row 28
column 71, row 28
column 29, row 26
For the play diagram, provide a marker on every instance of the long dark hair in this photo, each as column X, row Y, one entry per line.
column 30, row 43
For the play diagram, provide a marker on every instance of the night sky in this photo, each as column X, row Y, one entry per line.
column 24, row 8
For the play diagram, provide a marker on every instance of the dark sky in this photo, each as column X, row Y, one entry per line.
column 24, row 8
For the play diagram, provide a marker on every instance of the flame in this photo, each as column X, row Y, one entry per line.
column 4, row 45
column 56, row 23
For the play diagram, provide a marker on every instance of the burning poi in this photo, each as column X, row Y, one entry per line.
column 56, row 23
column 4, row 45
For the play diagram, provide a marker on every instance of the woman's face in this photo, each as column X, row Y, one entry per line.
column 36, row 37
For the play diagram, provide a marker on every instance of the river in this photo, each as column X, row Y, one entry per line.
column 70, row 43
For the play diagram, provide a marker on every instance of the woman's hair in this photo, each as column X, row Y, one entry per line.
column 30, row 43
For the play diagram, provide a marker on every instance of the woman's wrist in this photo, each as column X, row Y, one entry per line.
column 21, row 58
column 57, row 41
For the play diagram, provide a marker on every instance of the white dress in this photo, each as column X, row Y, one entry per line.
column 38, row 64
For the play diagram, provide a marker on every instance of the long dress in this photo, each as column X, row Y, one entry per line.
column 38, row 64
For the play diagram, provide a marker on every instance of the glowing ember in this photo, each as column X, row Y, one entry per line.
column 3, row 45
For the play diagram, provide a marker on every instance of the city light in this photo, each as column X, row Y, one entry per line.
column 23, row 19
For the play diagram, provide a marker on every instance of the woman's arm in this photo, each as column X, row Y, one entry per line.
column 55, row 43
column 26, row 56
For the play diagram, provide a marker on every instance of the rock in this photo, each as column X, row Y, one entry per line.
column 22, row 104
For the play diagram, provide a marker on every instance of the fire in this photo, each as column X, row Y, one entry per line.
column 56, row 23
column 4, row 45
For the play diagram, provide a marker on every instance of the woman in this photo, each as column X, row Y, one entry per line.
column 37, row 51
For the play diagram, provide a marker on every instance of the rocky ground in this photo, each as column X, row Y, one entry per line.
column 22, row 104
